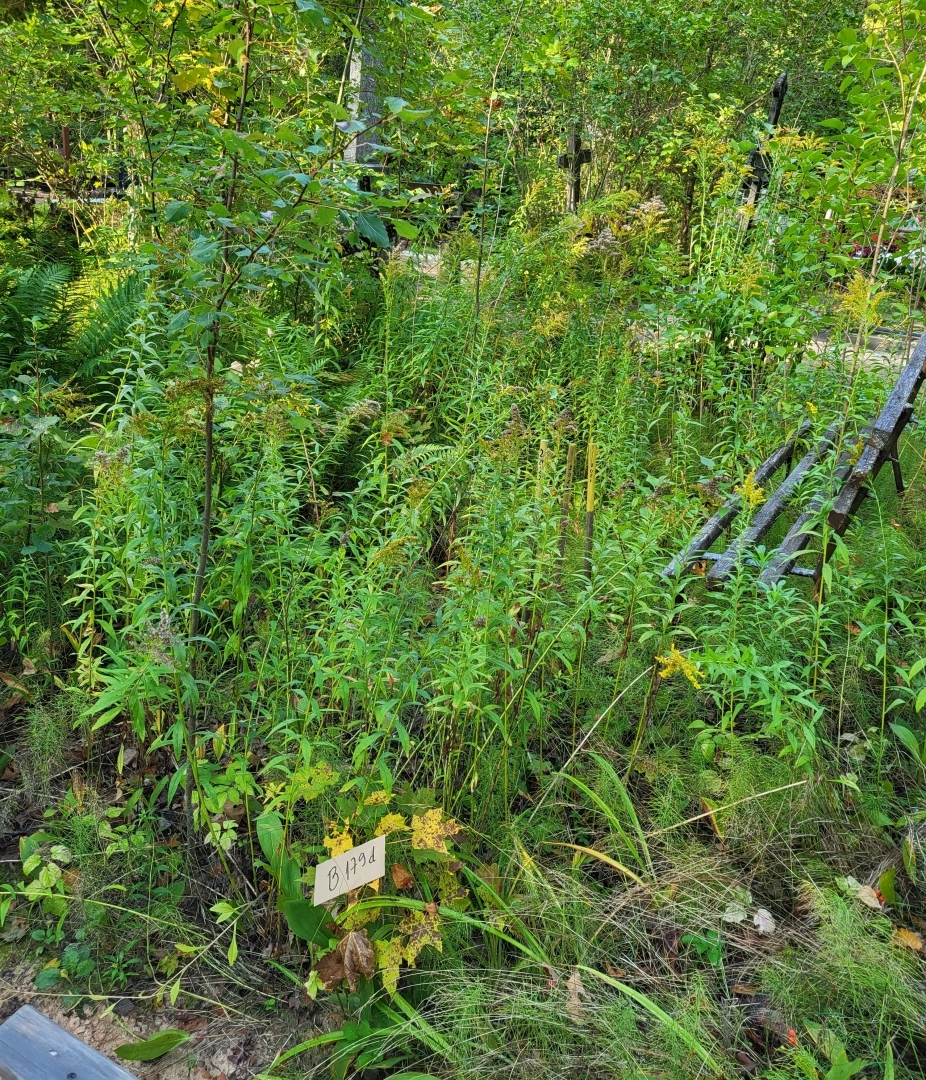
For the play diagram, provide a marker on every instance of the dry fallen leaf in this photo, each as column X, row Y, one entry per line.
column 12, row 682
column 552, row 976
column 907, row 939
column 359, row 957
column 868, row 897
column 401, row 878
column 576, row 991
column 763, row 921
column 354, row 956
column 28, row 667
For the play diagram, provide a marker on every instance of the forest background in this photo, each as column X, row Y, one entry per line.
column 296, row 462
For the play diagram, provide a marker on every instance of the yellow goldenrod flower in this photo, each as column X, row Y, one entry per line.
column 677, row 661
column 750, row 492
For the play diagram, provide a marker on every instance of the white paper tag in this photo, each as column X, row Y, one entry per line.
column 350, row 870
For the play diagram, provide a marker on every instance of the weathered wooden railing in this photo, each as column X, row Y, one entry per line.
column 847, row 485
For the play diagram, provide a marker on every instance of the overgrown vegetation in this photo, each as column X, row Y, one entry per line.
column 296, row 461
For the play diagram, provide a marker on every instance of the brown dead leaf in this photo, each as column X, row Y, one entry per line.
column 907, row 939
column 867, row 895
column 552, row 976
column 14, row 699
column 330, row 968
column 709, row 814
column 192, row 1023
column 28, row 667
column 401, row 878
column 353, row 957
column 576, row 992
column 615, row 973
column 744, row 989
column 13, row 683
column 359, row 957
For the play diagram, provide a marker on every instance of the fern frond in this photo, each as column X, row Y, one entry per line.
column 102, row 323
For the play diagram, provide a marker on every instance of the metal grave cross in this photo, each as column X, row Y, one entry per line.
column 572, row 161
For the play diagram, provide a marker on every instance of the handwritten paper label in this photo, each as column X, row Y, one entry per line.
column 359, row 866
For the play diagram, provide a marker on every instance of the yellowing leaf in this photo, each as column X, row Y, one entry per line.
column 339, row 842
column 390, row 823
column 430, row 831
column 378, row 798
column 193, row 76
column 421, row 928
column 388, row 959
column 907, row 939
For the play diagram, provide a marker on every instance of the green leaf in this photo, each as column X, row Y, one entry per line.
column 412, row 1076
column 315, row 13
column 47, row 978
column 176, row 211
column 233, row 948
column 886, row 885
column 404, row 228
column 155, row 1047
column 306, row 920
column 204, row 251
column 395, row 104
column 338, row 112
column 324, row 215
column 269, row 833
column 371, row 227
column 846, row 1069
column 909, row 740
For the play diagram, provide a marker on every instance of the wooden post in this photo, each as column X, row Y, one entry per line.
column 572, row 161
column 66, row 147
column 566, row 509
column 590, row 508
column 363, row 102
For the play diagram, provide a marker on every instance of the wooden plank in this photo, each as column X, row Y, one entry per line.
column 725, row 515
column 881, row 439
column 869, row 464
column 772, row 509
column 32, row 1047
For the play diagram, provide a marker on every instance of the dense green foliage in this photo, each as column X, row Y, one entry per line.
column 296, row 453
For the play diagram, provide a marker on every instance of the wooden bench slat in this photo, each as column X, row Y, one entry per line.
column 32, row 1047
column 772, row 509
column 699, row 544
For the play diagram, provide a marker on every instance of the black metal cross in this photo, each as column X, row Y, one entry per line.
column 759, row 165
column 573, row 160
